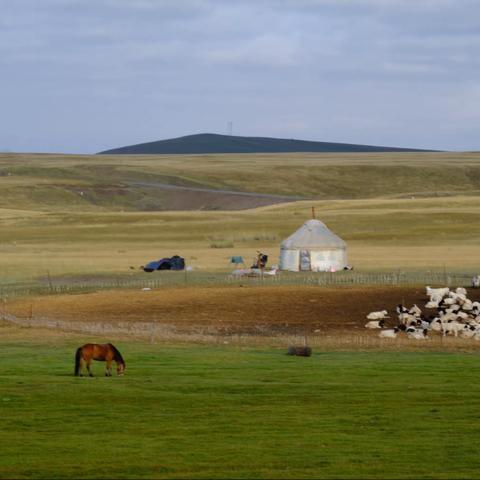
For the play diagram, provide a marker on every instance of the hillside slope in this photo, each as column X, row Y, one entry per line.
column 227, row 182
column 213, row 143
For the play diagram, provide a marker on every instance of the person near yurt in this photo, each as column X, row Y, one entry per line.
column 313, row 247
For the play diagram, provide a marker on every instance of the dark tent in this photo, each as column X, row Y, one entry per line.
column 174, row 263
column 177, row 263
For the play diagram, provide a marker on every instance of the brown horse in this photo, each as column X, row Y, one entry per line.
column 94, row 351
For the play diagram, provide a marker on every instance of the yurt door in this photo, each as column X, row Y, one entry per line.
column 305, row 263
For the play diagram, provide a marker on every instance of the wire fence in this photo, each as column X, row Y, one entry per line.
column 155, row 280
column 155, row 332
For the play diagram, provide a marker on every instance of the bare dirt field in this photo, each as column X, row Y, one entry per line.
column 334, row 313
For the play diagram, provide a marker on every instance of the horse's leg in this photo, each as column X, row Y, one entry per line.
column 89, row 363
column 108, row 369
column 81, row 367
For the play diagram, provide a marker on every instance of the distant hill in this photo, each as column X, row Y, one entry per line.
column 214, row 143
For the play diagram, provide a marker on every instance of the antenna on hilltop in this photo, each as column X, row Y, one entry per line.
column 230, row 128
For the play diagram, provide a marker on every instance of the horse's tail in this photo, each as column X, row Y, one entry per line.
column 78, row 356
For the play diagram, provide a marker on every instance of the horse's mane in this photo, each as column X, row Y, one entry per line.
column 117, row 356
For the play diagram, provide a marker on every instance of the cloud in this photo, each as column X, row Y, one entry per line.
column 82, row 76
column 266, row 50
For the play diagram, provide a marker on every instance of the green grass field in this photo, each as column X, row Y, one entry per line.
column 225, row 412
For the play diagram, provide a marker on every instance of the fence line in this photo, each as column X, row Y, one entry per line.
column 170, row 279
column 150, row 331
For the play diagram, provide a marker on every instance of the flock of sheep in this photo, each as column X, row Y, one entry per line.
column 455, row 314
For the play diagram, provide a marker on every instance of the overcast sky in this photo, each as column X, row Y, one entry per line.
column 81, row 76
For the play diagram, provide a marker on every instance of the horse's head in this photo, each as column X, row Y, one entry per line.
column 120, row 368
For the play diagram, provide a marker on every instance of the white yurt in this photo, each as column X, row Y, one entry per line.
column 313, row 247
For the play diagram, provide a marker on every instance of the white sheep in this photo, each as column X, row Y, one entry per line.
column 407, row 319
column 436, row 298
column 375, row 324
column 463, row 315
column 461, row 290
column 415, row 311
column 390, row 333
column 449, row 301
column 468, row 331
column 452, row 326
column 423, row 324
column 448, row 316
column 401, row 309
column 453, row 309
column 417, row 334
column 378, row 315
column 467, row 306
column 436, row 325
column 437, row 291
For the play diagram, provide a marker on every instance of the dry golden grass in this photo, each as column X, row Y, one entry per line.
column 381, row 235
column 45, row 226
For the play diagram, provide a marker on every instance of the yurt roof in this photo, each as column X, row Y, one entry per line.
column 313, row 234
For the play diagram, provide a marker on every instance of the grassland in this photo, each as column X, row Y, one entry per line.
column 381, row 235
column 80, row 215
column 223, row 412
column 89, row 183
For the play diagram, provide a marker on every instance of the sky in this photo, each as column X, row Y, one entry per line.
column 81, row 76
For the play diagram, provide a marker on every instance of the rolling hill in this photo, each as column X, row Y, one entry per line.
column 213, row 143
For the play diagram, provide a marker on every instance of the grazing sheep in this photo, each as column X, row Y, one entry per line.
column 390, row 333
column 449, row 301
column 412, row 322
column 437, row 291
column 436, row 325
column 423, row 324
column 417, row 334
column 468, row 331
column 452, row 326
column 401, row 309
column 463, row 315
column 415, row 311
column 452, row 309
column 457, row 315
column 407, row 319
column 378, row 315
column 448, row 316
column 375, row 324
column 467, row 306
column 436, row 298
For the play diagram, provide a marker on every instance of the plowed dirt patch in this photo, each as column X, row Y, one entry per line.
column 230, row 310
